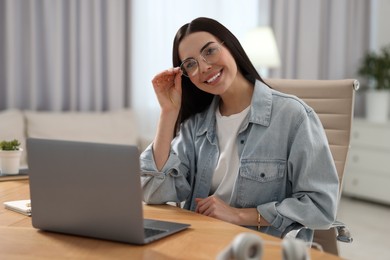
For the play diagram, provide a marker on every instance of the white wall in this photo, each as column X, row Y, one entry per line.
column 380, row 24
column 154, row 25
column 383, row 36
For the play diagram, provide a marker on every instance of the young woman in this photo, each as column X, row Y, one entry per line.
column 230, row 146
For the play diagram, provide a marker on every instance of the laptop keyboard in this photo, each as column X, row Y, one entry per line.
column 152, row 232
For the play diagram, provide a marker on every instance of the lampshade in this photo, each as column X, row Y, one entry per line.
column 260, row 46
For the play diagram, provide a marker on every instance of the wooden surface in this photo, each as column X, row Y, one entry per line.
column 203, row 240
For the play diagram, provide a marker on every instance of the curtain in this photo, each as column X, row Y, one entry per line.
column 320, row 39
column 64, row 55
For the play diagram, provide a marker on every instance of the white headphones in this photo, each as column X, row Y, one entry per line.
column 249, row 246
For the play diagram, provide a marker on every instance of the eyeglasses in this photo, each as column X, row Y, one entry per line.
column 210, row 55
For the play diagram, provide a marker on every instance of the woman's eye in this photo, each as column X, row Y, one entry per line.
column 190, row 65
column 211, row 51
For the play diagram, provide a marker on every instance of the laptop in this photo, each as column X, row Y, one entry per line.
column 90, row 189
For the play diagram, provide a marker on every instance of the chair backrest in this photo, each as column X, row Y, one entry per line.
column 333, row 101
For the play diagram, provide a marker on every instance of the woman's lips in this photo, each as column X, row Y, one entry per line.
column 213, row 78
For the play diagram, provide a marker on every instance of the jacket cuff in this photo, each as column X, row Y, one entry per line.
column 269, row 212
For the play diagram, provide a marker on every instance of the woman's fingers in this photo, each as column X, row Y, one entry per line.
column 167, row 86
column 205, row 204
column 214, row 207
column 166, row 78
column 201, row 205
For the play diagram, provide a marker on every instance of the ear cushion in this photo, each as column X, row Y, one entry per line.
column 294, row 249
column 247, row 246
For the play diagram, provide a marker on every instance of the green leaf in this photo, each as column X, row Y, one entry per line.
column 10, row 145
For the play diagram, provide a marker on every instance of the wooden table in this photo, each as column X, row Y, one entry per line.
column 203, row 240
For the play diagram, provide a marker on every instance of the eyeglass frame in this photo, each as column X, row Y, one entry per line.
column 203, row 58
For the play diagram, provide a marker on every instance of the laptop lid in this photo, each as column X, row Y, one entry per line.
column 89, row 189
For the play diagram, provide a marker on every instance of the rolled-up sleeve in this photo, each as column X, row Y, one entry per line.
column 171, row 183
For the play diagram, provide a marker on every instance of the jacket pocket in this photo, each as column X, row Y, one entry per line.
column 261, row 181
column 263, row 171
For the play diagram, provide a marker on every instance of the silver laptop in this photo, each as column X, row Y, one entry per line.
column 90, row 189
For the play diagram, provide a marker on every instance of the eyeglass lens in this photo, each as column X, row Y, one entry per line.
column 210, row 55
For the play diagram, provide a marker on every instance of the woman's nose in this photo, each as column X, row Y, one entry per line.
column 204, row 66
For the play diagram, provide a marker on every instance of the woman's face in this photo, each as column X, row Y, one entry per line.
column 215, row 77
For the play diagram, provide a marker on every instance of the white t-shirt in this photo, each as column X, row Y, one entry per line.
column 226, row 171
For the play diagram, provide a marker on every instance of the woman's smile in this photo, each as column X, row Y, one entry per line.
column 214, row 78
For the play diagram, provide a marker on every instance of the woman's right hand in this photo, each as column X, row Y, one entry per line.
column 167, row 86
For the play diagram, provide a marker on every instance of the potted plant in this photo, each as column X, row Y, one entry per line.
column 375, row 67
column 10, row 153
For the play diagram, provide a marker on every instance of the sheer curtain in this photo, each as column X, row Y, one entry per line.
column 64, row 55
column 320, row 39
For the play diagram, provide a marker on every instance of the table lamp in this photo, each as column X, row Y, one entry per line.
column 260, row 46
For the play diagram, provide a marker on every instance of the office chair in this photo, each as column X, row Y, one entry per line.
column 333, row 101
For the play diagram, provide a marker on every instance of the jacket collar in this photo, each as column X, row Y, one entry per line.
column 261, row 105
column 259, row 113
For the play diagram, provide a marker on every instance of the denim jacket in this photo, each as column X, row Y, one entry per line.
column 286, row 168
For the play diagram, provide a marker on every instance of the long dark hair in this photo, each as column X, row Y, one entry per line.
column 195, row 100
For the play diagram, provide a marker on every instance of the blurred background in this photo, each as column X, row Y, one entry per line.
column 101, row 55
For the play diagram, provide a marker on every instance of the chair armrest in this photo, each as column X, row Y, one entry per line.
column 343, row 233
